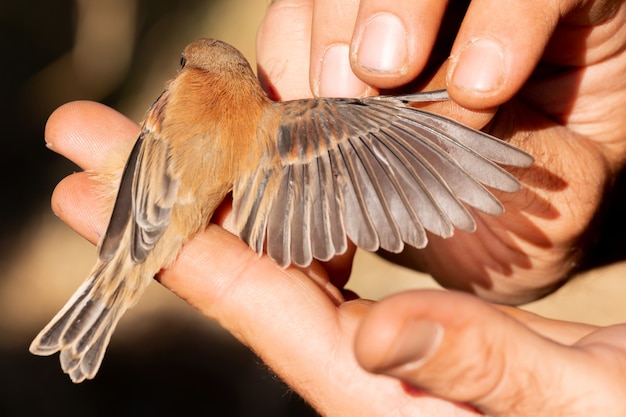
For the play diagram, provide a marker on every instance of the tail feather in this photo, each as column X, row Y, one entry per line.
column 84, row 365
column 82, row 329
column 52, row 337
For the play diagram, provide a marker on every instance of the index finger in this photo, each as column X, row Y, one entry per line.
column 90, row 134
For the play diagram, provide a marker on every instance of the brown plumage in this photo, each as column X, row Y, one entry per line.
column 306, row 175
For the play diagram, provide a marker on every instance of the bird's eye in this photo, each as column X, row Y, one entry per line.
column 183, row 61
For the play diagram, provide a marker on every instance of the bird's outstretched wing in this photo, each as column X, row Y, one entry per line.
column 375, row 170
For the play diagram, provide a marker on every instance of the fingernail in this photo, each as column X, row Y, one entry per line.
column 416, row 342
column 479, row 67
column 336, row 78
column 382, row 46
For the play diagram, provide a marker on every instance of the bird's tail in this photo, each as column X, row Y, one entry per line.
column 81, row 330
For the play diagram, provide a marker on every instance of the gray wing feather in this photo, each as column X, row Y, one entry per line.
column 154, row 194
column 251, row 200
column 146, row 196
column 375, row 170
column 122, row 208
column 328, row 235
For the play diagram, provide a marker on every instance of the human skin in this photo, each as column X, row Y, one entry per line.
column 347, row 357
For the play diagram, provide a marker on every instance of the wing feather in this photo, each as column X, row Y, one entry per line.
column 122, row 208
column 475, row 151
column 446, row 170
column 375, row 170
column 301, row 252
column 280, row 219
column 145, row 198
column 434, row 203
column 154, row 194
column 328, row 233
column 251, row 206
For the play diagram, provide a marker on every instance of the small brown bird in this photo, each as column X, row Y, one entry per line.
column 306, row 175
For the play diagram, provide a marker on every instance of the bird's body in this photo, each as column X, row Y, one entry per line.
column 306, row 175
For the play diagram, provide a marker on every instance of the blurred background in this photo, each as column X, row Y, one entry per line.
column 165, row 359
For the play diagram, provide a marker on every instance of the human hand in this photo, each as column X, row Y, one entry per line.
column 555, row 69
column 502, row 360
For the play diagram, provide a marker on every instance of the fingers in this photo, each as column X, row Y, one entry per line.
column 490, row 60
column 472, row 353
column 331, row 74
column 392, row 41
column 353, row 48
column 359, row 47
column 500, row 44
column 97, row 138
column 75, row 201
column 89, row 133
column 345, row 48
column 283, row 49
column 294, row 62
column 566, row 333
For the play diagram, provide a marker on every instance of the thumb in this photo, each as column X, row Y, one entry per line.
column 456, row 347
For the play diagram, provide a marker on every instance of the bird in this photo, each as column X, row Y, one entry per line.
column 306, row 177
